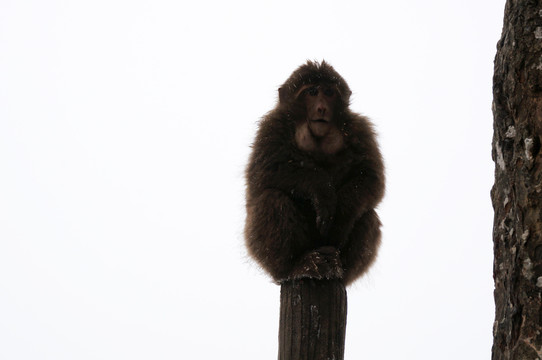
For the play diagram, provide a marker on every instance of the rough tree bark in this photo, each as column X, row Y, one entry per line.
column 312, row 320
column 517, row 193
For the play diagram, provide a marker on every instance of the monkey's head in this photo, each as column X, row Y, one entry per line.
column 315, row 96
column 313, row 73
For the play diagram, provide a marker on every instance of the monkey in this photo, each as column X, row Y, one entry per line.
column 314, row 178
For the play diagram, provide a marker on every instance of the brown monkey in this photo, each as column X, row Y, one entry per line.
column 314, row 177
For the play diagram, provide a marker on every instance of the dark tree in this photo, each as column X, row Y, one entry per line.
column 517, row 193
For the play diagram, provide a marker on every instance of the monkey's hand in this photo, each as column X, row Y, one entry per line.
column 322, row 263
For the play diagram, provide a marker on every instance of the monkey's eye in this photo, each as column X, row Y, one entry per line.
column 329, row 92
column 313, row 91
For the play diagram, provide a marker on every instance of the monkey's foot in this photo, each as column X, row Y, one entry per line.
column 322, row 263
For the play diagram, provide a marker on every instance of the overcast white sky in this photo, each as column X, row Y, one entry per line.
column 125, row 127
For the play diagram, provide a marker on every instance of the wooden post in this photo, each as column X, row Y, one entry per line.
column 312, row 320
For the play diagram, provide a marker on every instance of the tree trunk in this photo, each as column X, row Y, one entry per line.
column 517, row 193
column 312, row 320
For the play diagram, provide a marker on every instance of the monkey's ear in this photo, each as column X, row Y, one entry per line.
column 282, row 95
column 345, row 95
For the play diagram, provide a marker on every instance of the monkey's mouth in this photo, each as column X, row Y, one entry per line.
column 320, row 121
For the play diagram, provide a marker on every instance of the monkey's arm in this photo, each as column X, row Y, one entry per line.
column 275, row 233
column 362, row 191
column 363, row 187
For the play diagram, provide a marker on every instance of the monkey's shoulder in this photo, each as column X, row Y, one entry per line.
column 357, row 127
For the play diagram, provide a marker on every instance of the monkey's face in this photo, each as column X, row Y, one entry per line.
column 317, row 108
column 320, row 102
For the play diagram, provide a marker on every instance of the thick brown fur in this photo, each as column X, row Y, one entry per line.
column 311, row 194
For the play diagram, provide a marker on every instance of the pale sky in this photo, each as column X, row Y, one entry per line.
column 125, row 127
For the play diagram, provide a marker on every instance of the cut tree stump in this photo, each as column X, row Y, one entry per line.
column 312, row 320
